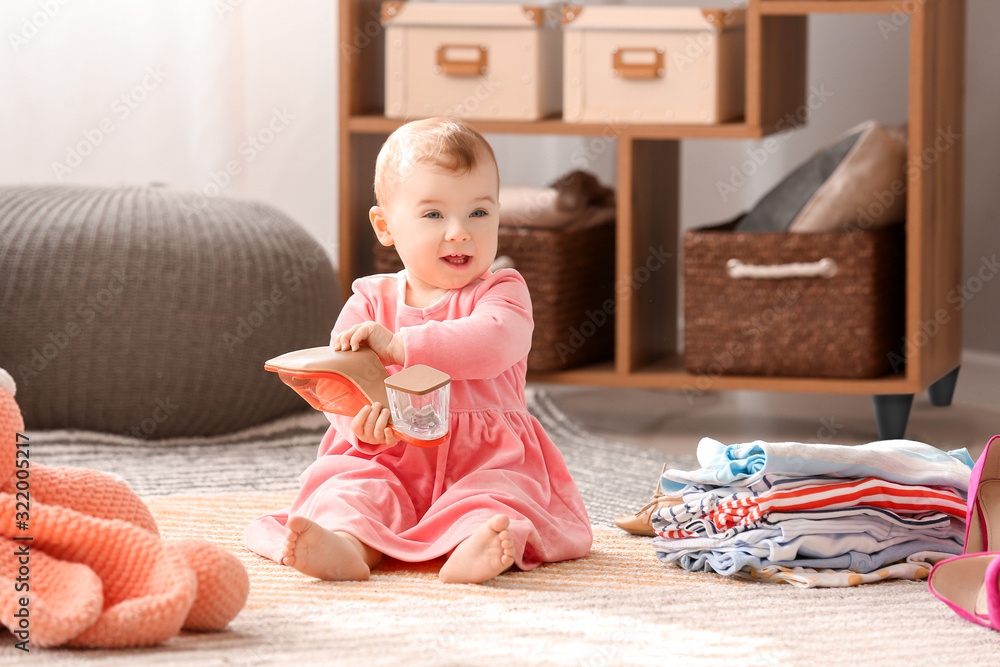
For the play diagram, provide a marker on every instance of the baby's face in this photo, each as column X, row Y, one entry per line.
column 445, row 225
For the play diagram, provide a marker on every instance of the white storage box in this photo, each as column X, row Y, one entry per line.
column 475, row 61
column 653, row 64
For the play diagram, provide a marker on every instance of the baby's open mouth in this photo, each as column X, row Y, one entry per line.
column 457, row 260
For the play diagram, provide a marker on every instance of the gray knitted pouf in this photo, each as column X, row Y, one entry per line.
column 150, row 312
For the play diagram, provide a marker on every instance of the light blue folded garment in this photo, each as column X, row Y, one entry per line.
column 732, row 561
column 901, row 461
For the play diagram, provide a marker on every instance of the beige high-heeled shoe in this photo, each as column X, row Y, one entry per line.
column 641, row 523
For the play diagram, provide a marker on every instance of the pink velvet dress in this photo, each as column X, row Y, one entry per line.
column 416, row 504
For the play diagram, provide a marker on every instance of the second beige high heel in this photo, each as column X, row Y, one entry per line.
column 641, row 523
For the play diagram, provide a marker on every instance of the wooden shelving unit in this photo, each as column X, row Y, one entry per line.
column 646, row 348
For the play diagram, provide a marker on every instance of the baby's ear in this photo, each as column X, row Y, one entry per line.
column 381, row 226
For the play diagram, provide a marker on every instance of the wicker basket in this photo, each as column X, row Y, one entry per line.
column 844, row 326
column 571, row 276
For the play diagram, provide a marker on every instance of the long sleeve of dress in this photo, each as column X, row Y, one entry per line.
column 482, row 345
column 356, row 310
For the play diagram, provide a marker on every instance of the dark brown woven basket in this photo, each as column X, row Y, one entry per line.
column 570, row 275
column 845, row 326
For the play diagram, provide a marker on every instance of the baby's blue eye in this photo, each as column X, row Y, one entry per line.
column 433, row 214
column 478, row 213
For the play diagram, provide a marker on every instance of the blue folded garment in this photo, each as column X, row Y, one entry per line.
column 902, row 461
column 732, row 561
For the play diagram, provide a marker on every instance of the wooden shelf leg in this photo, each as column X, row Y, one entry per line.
column 892, row 411
column 942, row 391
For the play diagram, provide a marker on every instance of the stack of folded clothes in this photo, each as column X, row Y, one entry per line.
column 815, row 515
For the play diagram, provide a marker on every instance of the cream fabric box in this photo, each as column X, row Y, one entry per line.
column 653, row 64
column 475, row 61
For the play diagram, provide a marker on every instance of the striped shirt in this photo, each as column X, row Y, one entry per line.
column 746, row 509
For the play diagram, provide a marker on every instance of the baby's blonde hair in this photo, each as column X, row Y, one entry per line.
column 446, row 143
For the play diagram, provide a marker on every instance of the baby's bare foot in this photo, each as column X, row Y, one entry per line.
column 482, row 556
column 313, row 550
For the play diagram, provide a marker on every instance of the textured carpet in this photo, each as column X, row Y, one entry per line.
column 617, row 606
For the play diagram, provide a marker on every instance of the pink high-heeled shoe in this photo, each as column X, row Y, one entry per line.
column 982, row 520
column 970, row 583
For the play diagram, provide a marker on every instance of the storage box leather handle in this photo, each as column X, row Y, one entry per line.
column 653, row 69
column 824, row 268
column 452, row 66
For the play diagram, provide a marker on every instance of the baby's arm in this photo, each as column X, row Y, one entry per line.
column 488, row 342
column 370, row 425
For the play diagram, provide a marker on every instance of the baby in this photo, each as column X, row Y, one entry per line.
column 497, row 494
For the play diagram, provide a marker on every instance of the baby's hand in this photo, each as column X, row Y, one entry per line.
column 371, row 424
column 388, row 346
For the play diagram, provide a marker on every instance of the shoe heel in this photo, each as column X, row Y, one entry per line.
column 982, row 530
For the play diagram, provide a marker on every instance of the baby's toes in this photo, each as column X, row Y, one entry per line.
column 499, row 523
column 288, row 549
column 506, row 548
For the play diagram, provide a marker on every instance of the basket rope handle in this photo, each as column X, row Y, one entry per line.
column 824, row 268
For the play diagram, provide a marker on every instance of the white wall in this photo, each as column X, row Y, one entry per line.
column 223, row 97
column 228, row 71
column 981, row 318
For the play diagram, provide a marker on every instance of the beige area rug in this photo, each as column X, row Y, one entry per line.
column 617, row 606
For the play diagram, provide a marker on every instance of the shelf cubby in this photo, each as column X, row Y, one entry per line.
column 646, row 349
